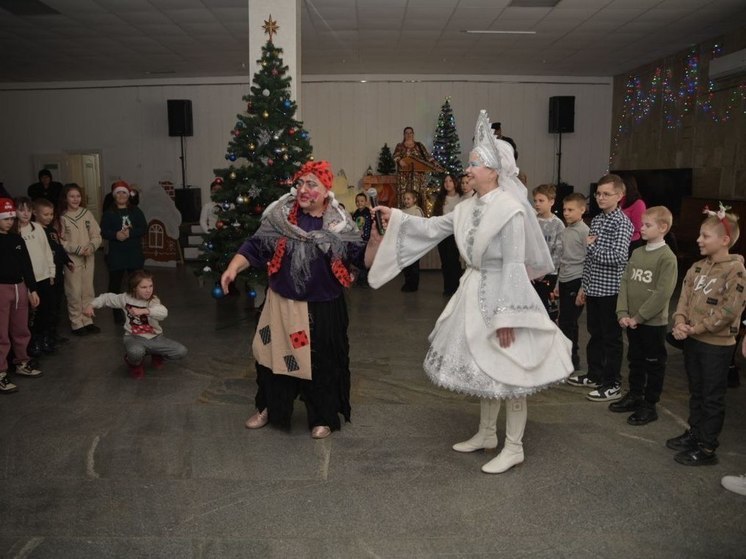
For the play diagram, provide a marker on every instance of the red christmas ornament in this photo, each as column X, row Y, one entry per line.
column 249, row 106
column 274, row 71
column 291, row 131
column 236, row 133
column 218, row 180
column 219, row 225
column 258, row 209
column 270, row 162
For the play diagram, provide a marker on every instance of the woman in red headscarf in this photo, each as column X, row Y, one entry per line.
column 307, row 242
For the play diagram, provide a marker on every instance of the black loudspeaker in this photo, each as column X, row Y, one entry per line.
column 561, row 114
column 180, row 117
column 593, row 209
column 189, row 204
column 563, row 189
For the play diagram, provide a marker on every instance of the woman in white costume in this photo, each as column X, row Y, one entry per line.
column 494, row 339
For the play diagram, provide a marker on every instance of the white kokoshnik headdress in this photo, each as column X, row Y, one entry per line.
column 498, row 154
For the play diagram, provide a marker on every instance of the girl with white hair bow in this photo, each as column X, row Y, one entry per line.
column 494, row 339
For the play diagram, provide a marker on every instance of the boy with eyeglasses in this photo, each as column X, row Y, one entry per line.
column 605, row 259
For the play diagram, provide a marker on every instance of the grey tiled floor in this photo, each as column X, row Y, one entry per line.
column 95, row 464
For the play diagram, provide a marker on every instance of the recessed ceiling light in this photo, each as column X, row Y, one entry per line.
column 491, row 32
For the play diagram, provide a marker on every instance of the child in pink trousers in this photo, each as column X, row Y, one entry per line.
column 17, row 291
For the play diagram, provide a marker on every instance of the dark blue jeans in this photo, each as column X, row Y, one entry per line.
column 707, row 370
column 647, row 358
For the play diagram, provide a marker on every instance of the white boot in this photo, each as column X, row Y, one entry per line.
column 486, row 437
column 511, row 455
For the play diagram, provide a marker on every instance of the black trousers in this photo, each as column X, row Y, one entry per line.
column 327, row 394
column 646, row 354
column 544, row 288
column 450, row 264
column 605, row 346
column 58, row 308
column 412, row 276
column 707, row 370
column 116, row 277
column 569, row 313
column 42, row 317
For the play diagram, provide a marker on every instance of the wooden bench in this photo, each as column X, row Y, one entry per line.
column 686, row 228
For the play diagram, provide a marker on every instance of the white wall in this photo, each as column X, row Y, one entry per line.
column 348, row 121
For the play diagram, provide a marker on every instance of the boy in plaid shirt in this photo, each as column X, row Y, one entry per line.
column 606, row 257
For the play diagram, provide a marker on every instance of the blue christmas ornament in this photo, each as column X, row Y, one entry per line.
column 226, row 206
column 209, row 245
column 232, row 156
column 217, row 291
column 287, row 103
column 304, row 135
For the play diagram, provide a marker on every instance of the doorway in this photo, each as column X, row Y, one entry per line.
column 80, row 167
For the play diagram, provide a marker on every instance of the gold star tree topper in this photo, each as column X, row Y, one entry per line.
column 270, row 27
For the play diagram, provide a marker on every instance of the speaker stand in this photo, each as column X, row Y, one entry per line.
column 559, row 160
column 183, row 163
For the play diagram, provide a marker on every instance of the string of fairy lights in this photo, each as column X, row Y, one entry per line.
column 693, row 93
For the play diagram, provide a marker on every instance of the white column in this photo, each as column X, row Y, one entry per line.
column 287, row 15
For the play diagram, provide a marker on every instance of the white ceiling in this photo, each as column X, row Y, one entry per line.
column 136, row 39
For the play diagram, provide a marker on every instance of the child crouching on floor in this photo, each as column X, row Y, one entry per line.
column 142, row 330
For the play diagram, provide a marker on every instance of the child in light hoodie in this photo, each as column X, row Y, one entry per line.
column 143, row 334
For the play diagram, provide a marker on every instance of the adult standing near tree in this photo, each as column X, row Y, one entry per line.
column 494, row 339
column 409, row 147
column 45, row 188
column 123, row 226
column 307, row 242
column 415, row 174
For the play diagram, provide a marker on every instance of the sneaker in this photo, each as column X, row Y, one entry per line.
column 581, row 379
column 687, row 441
column 605, row 393
column 630, row 402
column 27, row 370
column 697, row 457
column 92, row 329
column 82, row 331
column 6, row 387
column 737, row 484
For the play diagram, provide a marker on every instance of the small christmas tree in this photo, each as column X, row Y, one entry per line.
column 386, row 163
column 268, row 146
column 446, row 145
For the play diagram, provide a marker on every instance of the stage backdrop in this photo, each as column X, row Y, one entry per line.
column 126, row 122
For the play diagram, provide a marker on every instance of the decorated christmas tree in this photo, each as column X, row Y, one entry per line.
column 386, row 163
column 266, row 149
column 446, row 145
